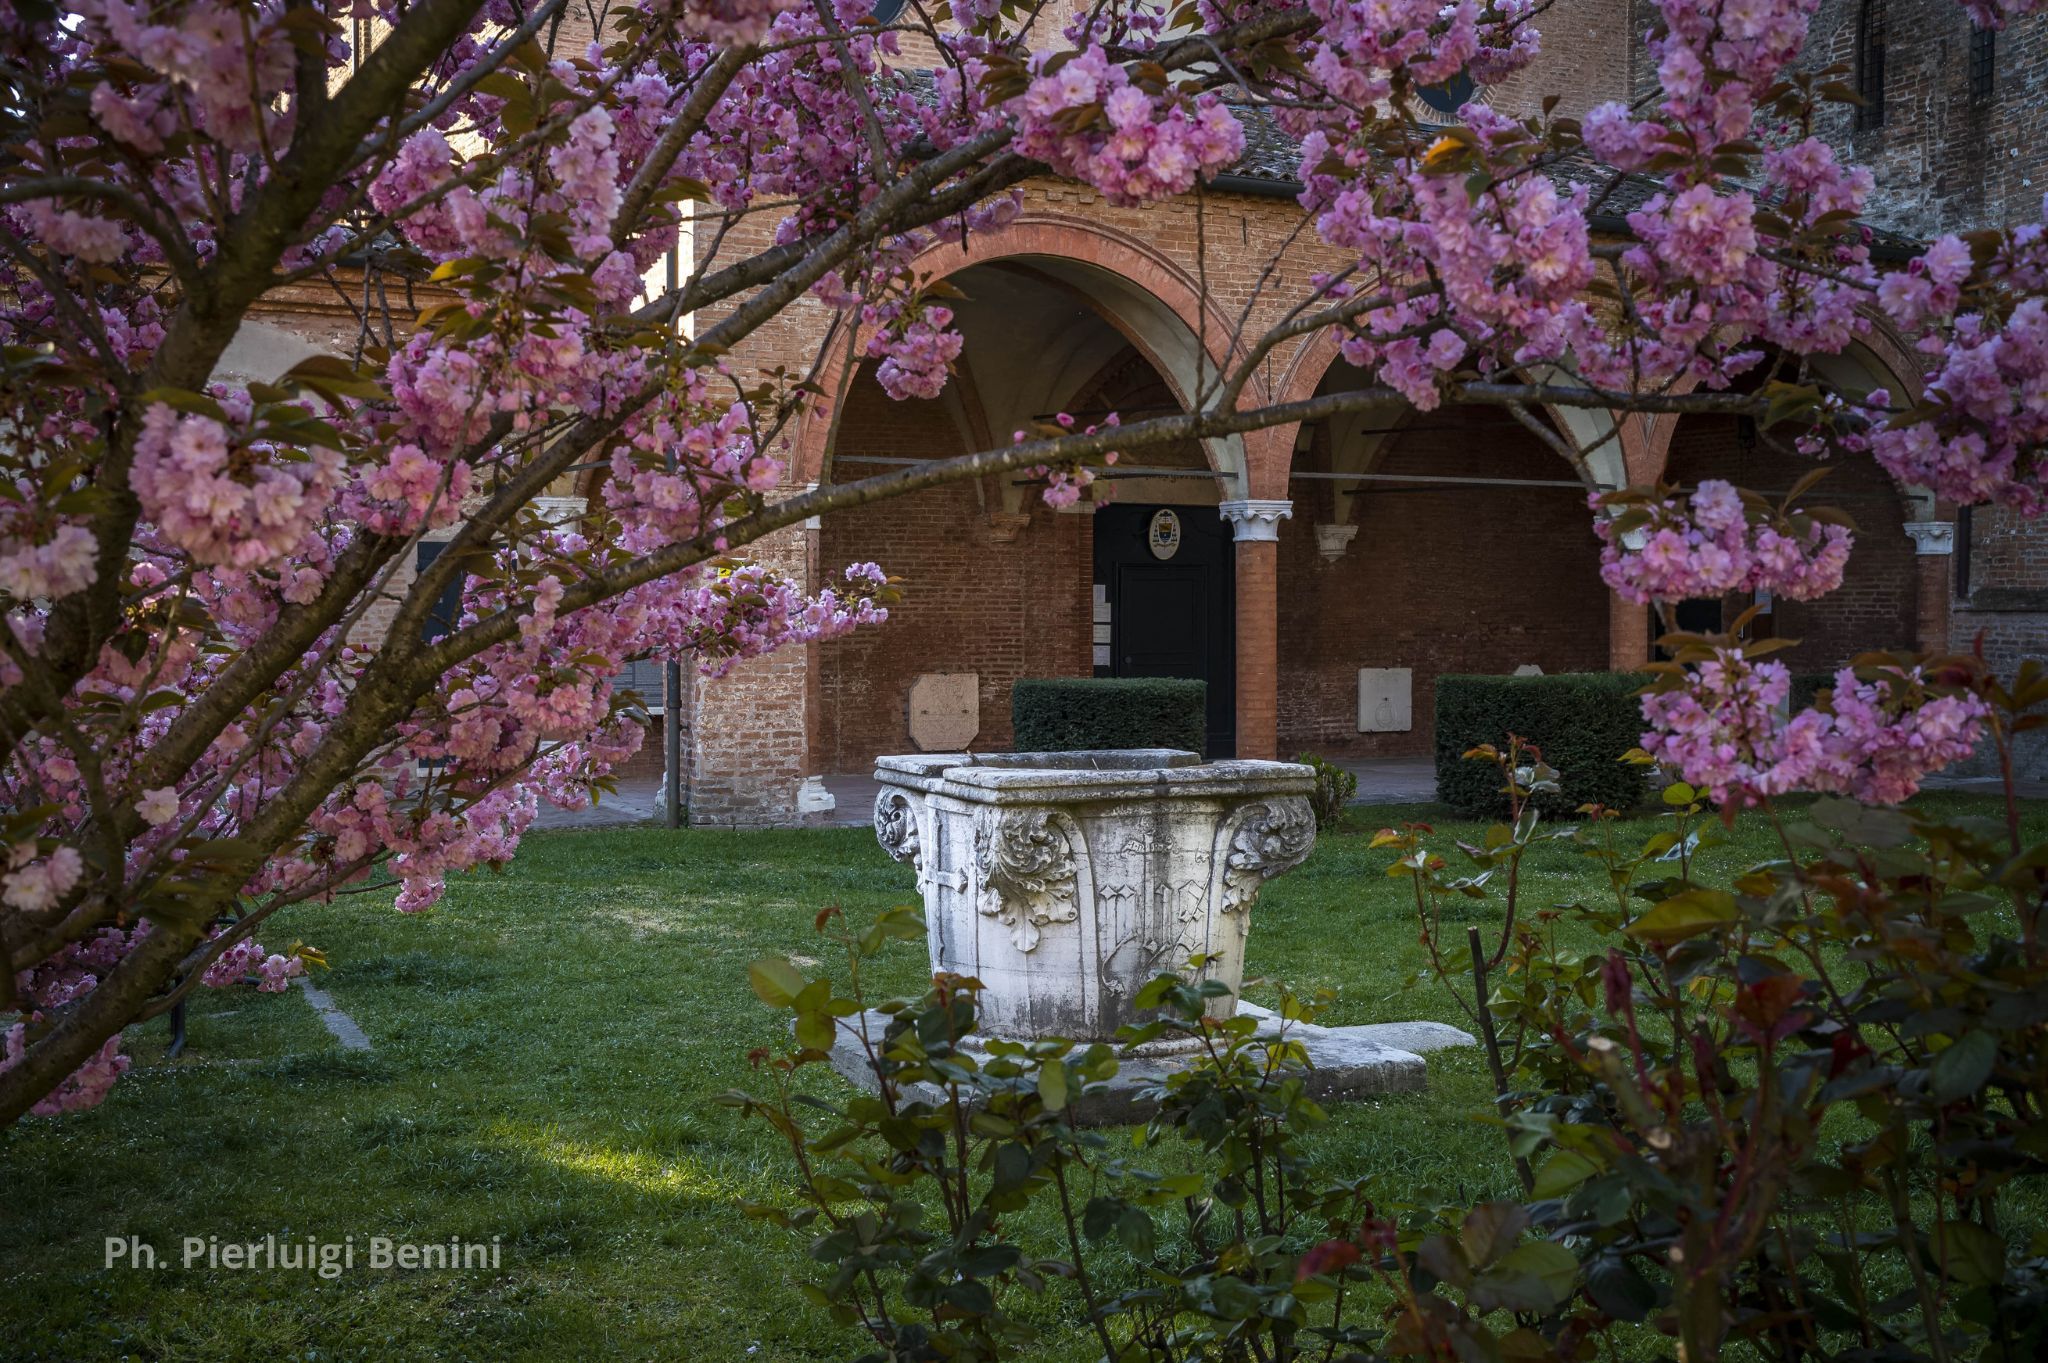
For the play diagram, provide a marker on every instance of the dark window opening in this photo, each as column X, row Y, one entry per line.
column 1451, row 96
column 887, row 10
column 1699, row 615
column 447, row 611
column 1870, row 64
column 1983, row 61
column 1694, row 615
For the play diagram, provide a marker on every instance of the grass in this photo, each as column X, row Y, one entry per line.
column 548, row 1045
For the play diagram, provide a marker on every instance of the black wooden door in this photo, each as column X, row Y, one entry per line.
column 1176, row 616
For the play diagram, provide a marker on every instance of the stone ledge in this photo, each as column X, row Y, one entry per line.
column 1345, row 1063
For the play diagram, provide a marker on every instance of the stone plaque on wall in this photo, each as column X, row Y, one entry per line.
column 1386, row 700
column 944, row 711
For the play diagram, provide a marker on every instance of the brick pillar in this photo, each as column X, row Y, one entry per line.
column 1934, row 545
column 1628, row 635
column 1256, row 525
column 750, row 734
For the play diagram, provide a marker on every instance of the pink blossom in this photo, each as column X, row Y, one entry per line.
column 158, row 807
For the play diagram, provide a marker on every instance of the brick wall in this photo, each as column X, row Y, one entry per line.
column 1452, row 579
column 1945, row 160
column 2006, row 613
column 981, row 593
column 1592, row 51
column 1876, row 606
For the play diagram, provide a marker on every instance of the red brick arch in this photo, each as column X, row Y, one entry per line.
column 1882, row 351
column 1033, row 234
column 1315, row 356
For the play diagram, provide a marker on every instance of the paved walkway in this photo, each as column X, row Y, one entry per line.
column 1381, row 781
column 634, row 803
column 1396, row 780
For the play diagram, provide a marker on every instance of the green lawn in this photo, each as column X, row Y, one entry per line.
column 547, row 1045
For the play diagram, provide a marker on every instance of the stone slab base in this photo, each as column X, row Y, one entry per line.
column 1346, row 1062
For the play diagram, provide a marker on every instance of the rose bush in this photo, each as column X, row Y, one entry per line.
column 1794, row 1113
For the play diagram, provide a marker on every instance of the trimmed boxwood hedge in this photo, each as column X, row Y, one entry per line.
column 1069, row 714
column 1583, row 722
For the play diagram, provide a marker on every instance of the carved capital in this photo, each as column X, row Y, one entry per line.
column 1005, row 526
column 1255, row 519
column 1262, row 840
column 1333, row 540
column 1025, row 871
column 1932, row 537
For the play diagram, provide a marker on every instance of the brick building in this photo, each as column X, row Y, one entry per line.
column 1397, row 549
column 1323, row 577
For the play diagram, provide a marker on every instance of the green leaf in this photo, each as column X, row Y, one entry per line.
column 1618, row 1289
column 1974, row 1254
column 1550, row 1263
column 776, row 981
column 1562, row 1172
column 1134, row 1228
column 1686, row 915
column 1679, row 793
column 1052, row 1085
column 1962, row 1069
column 1100, row 1216
column 814, row 1031
column 1490, row 1229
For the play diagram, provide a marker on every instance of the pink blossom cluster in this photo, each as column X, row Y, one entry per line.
column 788, row 128
column 730, row 21
column 1930, row 288
column 75, row 971
column 35, row 881
column 1710, row 544
column 408, row 492
column 1709, row 283
column 32, row 567
column 67, row 231
column 227, row 498
column 1984, row 414
column 1511, row 261
column 916, row 350
column 1084, row 116
column 1064, row 483
column 85, row 1087
column 1362, row 44
column 205, row 54
column 680, row 463
column 1725, row 730
column 273, row 972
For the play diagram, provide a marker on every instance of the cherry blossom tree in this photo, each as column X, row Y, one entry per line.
column 222, row 696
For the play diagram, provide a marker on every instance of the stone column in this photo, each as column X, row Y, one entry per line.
column 1934, row 545
column 1256, row 527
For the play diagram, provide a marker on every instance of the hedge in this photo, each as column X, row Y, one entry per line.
column 1069, row 714
column 1806, row 688
column 1583, row 722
